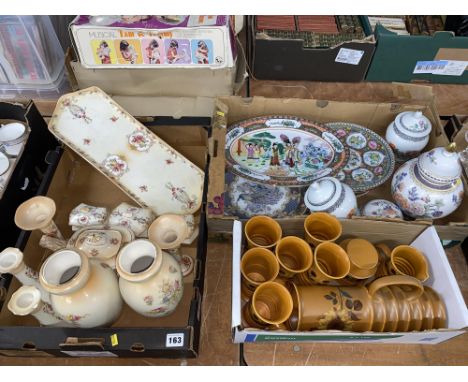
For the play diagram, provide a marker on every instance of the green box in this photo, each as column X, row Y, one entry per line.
column 396, row 56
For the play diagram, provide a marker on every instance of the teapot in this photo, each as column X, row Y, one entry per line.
column 430, row 186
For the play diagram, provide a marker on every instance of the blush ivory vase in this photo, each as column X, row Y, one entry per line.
column 330, row 195
column 150, row 279
column 83, row 292
column 430, row 186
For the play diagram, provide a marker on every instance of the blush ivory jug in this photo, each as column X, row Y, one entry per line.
column 83, row 292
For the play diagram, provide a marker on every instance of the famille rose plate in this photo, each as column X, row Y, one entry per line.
column 371, row 160
column 145, row 167
column 284, row 150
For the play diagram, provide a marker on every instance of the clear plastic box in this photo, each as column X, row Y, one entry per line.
column 31, row 58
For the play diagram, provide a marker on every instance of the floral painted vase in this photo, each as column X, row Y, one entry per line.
column 83, row 291
column 150, row 279
column 330, row 195
column 408, row 134
column 429, row 187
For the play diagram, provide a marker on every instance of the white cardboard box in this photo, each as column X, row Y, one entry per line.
column 441, row 280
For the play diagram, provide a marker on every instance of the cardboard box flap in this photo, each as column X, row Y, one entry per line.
column 412, row 92
column 236, row 256
column 442, row 279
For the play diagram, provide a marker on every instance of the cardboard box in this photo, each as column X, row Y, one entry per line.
column 441, row 58
column 174, row 92
column 154, row 42
column 375, row 116
column 70, row 180
column 29, row 169
column 442, row 280
column 289, row 59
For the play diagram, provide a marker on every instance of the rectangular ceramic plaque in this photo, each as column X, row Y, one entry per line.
column 130, row 155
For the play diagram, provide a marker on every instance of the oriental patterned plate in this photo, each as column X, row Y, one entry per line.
column 145, row 167
column 284, row 150
column 371, row 160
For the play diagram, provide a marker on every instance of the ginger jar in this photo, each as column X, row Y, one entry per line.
column 329, row 195
column 429, row 187
column 83, row 292
column 408, row 134
column 150, row 279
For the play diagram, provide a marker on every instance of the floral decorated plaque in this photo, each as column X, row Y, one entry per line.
column 283, row 150
column 371, row 159
column 130, row 155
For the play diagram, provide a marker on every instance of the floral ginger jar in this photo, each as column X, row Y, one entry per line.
column 329, row 195
column 150, row 279
column 429, row 187
column 83, row 292
column 408, row 134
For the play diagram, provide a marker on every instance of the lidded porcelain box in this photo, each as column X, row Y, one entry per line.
column 430, row 186
column 408, row 134
column 328, row 194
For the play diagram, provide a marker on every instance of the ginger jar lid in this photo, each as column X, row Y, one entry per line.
column 413, row 123
column 441, row 164
column 322, row 194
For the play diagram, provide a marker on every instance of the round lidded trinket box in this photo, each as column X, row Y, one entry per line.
column 328, row 194
column 429, row 187
column 408, row 134
column 382, row 208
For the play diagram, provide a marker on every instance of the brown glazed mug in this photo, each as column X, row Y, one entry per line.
column 294, row 256
column 330, row 266
column 262, row 231
column 321, row 227
column 269, row 307
column 350, row 308
column 258, row 265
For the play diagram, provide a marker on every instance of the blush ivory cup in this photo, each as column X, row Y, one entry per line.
column 321, row 227
column 262, row 231
column 350, row 308
column 258, row 265
column 330, row 266
column 403, row 260
column 38, row 213
column 269, row 307
column 169, row 231
column 294, row 256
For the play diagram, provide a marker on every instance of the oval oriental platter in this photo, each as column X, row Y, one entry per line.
column 371, row 159
column 284, row 150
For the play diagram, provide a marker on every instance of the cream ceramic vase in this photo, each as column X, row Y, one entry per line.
column 150, row 279
column 83, row 292
column 408, row 134
column 429, row 187
column 329, row 195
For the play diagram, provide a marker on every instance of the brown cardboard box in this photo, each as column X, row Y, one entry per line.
column 375, row 116
column 75, row 181
column 173, row 92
